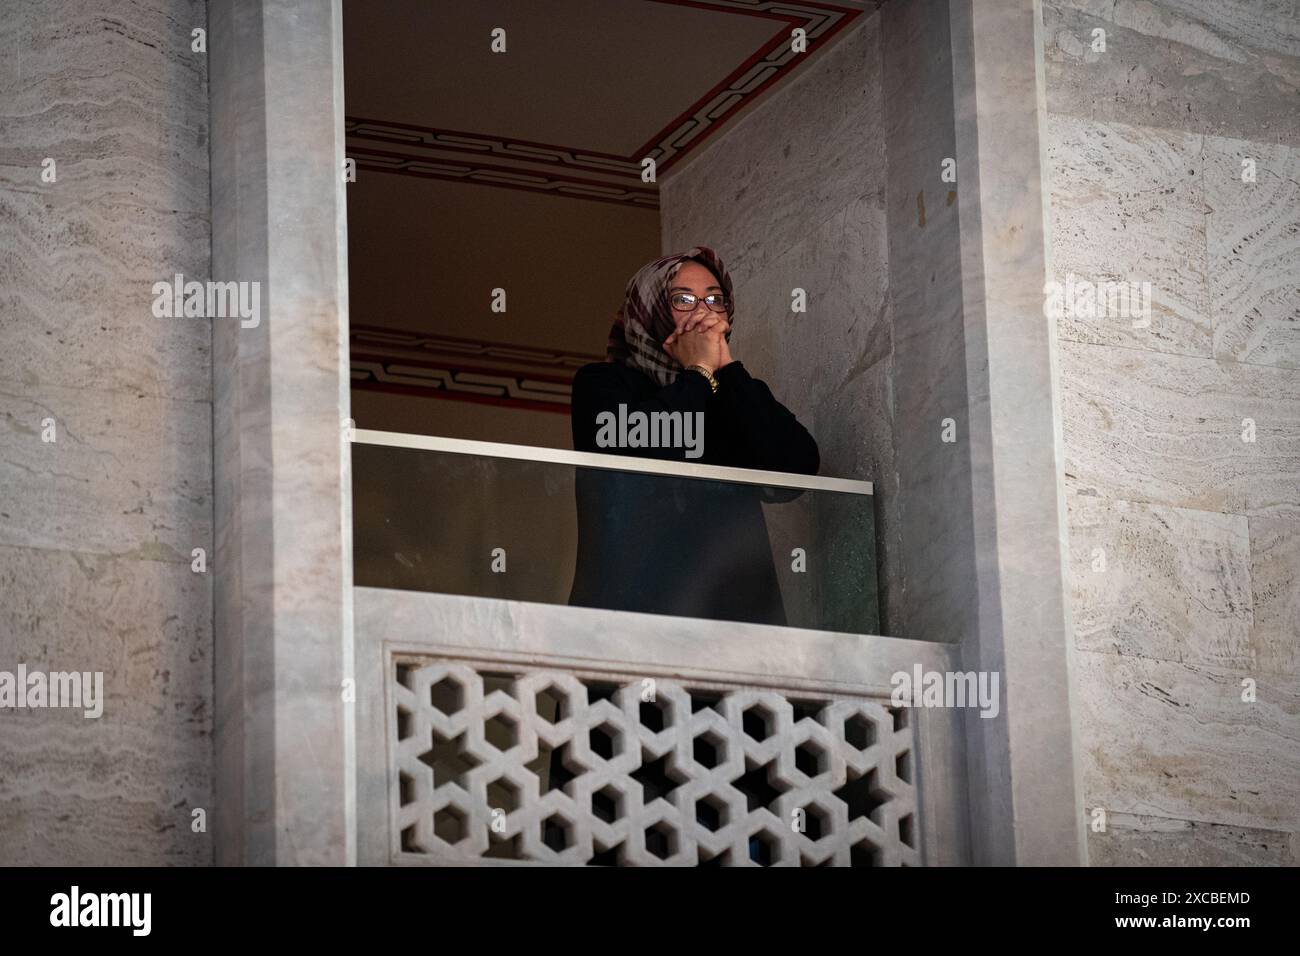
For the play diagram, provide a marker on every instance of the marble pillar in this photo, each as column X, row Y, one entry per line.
column 283, row 621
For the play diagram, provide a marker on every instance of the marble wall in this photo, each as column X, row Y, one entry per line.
column 1198, row 527
column 97, row 527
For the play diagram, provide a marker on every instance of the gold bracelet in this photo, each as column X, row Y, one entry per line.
column 713, row 382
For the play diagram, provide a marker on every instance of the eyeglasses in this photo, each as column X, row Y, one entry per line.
column 686, row 301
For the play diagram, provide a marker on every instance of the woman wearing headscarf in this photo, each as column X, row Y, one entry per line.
column 671, row 545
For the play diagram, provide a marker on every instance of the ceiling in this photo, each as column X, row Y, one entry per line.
column 584, row 91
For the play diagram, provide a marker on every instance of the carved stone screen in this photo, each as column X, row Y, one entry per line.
column 492, row 763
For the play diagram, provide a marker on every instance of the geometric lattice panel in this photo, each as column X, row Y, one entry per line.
column 546, row 766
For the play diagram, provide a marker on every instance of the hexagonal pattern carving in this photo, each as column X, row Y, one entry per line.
column 531, row 766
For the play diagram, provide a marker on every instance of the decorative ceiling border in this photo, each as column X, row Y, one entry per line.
column 428, row 165
column 434, row 153
column 461, row 369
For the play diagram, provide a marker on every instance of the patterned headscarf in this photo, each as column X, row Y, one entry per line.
column 646, row 318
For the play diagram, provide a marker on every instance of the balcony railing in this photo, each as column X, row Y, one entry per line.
column 494, row 729
column 517, row 522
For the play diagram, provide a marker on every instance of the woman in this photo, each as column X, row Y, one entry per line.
column 669, row 545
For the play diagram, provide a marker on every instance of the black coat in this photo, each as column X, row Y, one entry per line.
column 684, row 546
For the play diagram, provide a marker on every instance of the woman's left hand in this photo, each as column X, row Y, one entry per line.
column 724, row 352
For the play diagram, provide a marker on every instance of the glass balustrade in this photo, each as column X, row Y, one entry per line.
column 612, row 531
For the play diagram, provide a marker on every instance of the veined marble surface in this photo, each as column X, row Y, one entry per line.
column 1253, row 245
column 114, row 95
column 1128, row 206
column 97, row 528
column 1177, row 741
column 1161, row 582
column 1167, row 429
column 1217, row 67
column 1133, row 840
column 1201, row 529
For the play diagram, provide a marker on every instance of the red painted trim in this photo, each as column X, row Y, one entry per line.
column 721, row 8
column 454, row 132
column 535, row 190
column 514, row 170
column 454, row 367
column 778, row 40
column 414, row 390
column 455, row 338
column 539, row 189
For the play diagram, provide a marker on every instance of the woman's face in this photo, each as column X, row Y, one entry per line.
column 693, row 277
